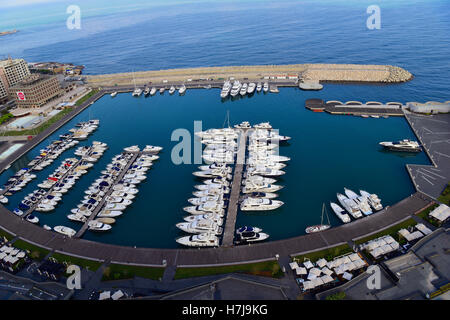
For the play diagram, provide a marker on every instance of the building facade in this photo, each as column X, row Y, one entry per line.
column 12, row 71
column 35, row 91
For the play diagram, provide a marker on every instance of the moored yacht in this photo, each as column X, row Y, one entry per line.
column 225, row 89
column 199, row 240
column 200, row 226
column 250, row 236
column 402, row 145
column 65, row 231
column 349, row 205
column 172, row 90
column 373, row 199
column 243, row 90
column 340, row 213
column 260, row 204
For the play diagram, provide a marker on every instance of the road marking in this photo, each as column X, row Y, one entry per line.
column 427, row 180
column 433, row 173
column 427, row 175
column 442, row 154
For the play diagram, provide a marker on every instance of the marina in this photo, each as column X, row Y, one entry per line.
column 172, row 201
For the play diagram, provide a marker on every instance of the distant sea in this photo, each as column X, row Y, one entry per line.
column 117, row 36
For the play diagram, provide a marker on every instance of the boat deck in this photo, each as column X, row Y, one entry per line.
column 230, row 224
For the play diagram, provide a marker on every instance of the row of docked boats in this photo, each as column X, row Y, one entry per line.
column 46, row 156
column 115, row 190
column 152, row 91
column 238, row 88
column 207, row 210
column 57, row 184
column 355, row 205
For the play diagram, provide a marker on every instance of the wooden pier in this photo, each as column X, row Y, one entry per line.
column 230, row 223
column 110, row 190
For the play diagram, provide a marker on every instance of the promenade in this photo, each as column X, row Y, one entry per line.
column 222, row 255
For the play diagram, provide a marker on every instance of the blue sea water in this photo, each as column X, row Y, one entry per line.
column 328, row 152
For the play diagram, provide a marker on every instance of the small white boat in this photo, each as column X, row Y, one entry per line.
column 182, row 90
column 153, row 149
column 266, row 87
column 132, row 149
column 77, row 217
column 321, row 226
column 260, row 204
column 33, row 219
column 109, row 213
column 172, row 90
column 137, row 92
column 114, row 94
column 373, row 199
column 95, row 225
column 153, row 91
column 246, row 237
column 65, row 231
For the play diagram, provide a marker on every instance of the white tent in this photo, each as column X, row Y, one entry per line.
column 318, row 282
column 105, row 295
column 321, row 262
column 395, row 245
column 330, row 264
column 416, row 235
column 14, row 252
column 300, row 271
column 20, row 254
column 354, row 257
column 3, row 248
column 117, row 295
column 421, row 227
column 347, row 276
column 311, row 276
column 315, row 272
column 308, row 264
column 404, row 233
column 327, row 271
column 372, row 245
column 338, row 262
column 346, row 259
column 326, row 278
column 388, row 239
column 387, row 248
column 13, row 260
column 293, row 265
column 376, row 252
column 350, row 266
column 359, row 264
column 441, row 213
column 2, row 255
column 339, row 270
column 307, row 285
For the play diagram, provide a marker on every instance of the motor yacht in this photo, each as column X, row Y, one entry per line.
column 264, row 171
column 268, row 195
column 153, row 91
column 95, row 225
column 259, row 87
column 182, row 90
column 260, row 204
column 32, row 218
column 243, row 90
column 137, row 92
column 340, row 213
column 77, row 217
column 405, row 145
column 147, row 91
column 373, row 199
column 247, row 237
column 350, row 205
column 109, row 213
column 251, row 187
column 114, row 94
column 200, row 226
column 161, row 90
column 132, row 149
column 217, row 218
column 251, row 88
column 225, row 89
column 248, row 229
column 206, row 207
column 172, row 90
column 199, row 240
column 258, row 179
column 266, row 87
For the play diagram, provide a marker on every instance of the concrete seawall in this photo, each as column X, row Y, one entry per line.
column 319, row 72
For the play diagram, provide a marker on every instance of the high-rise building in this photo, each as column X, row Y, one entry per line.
column 3, row 91
column 13, row 70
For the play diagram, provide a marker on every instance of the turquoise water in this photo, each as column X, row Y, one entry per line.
column 328, row 153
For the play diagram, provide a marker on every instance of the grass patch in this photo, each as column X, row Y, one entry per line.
column 5, row 234
column 6, row 117
column 85, row 263
column 266, row 268
column 336, row 296
column 86, row 97
column 120, row 271
column 42, row 127
column 328, row 254
column 445, row 195
column 35, row 252
column 392, row 231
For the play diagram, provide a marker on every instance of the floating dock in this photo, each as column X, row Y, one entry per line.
column 230, row 223
column 356, row 108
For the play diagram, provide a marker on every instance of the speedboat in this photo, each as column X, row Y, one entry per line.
column 200, row 226
column 260, row 204
column 132, row 149
column 18, row 212
column 153, row 91
column 373, row 199
column 259, row 87
column 77, row 217
column 266, row 87
column 217, row 218
column 182, row 90
column 340, row 213
column 206, row 207
column 153, row 149
column 109, row 213
column 147, row 91
column 65, row 231
column 246, row 237
column 402, row 145
column 32, row 218
column 3, row 199
column 95, row 225
column 172, row 90
column 137, row 92
column 114, row 94
column 248, row 229
column 161, row 90
column 199, row 240
column 350, row 205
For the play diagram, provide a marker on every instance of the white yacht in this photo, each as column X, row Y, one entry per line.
column 137, row 92
column 95, row 225
column 206, row 207
column 243, row 90
column 250, row 236
column 65, row 231
column 259, row 87
column 349, row 205
column 132, row 149
column 264, row 171
column 258, row 179
column 402, row 145
column 172, row 90
column 217, row 218
column 373, row 199
column 225, row 89
column 182, row 90
column 321, row 226
column 153, row 91
column 114, row 94
column 266, row 87
column 3, row 199
column 32, row 218
column 251, row 88
column 200, row 226
column 360, row 200
column 340, row 213
column 243, row 125
column 260, row 187
column 161, row 90
column 260, row 204
column 109, row 213
column 147, row 91
column 199, row 240
column 77, row 217
column 236, row 88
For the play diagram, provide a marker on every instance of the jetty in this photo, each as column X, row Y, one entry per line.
column 230, row 223
column 110, row 190
column 357, row 108
column 291, row 73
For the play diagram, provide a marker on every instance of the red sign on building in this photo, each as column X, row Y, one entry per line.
column 20, row 95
